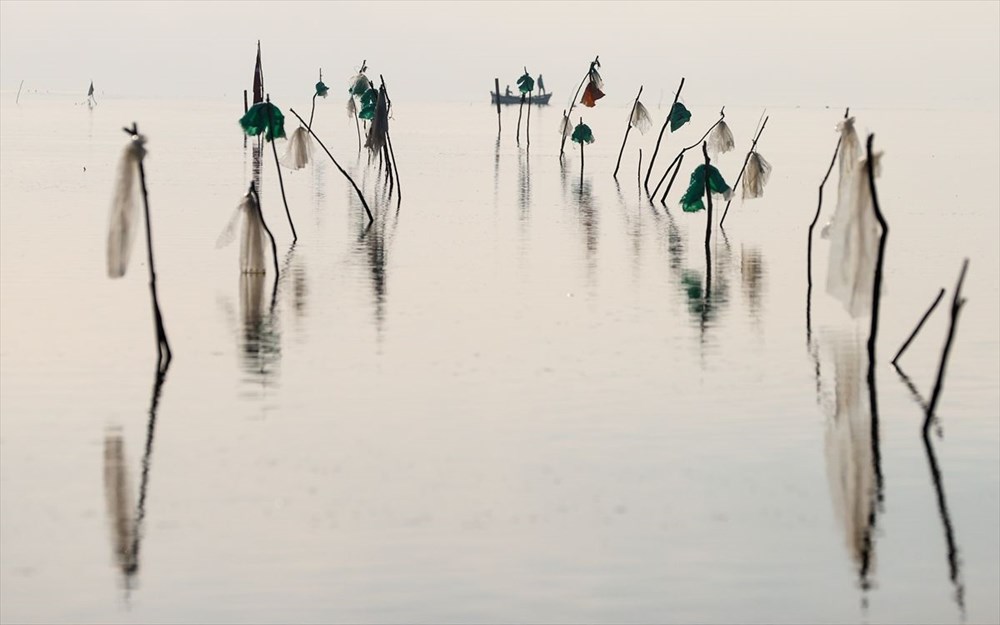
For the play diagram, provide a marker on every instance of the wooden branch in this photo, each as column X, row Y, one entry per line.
column 666, row 122
column 341, row 169
column 809, row 246
column 920, row 324
column 957, row 302
column 628, row 129
column 744, row 168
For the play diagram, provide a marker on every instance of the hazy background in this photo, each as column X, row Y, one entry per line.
column 894, row 55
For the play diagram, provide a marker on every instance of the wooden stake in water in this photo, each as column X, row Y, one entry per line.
column 708, row 201
column 957, row 301
column 627, row 130
column 745, row 161
column 666, row 122
column 260, row 214
column 680, row 158
column 339, row 168
column 496, row 87
column 809, row 246
column 920, row 324
column 119, row 237
column 281, row 182
column 569, row 113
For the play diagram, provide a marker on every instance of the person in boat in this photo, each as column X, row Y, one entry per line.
column 507, row 93
column 541, row 85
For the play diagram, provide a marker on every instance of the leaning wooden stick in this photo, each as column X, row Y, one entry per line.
column 920, row 324
column 812, row 226
column 957, row 301
column 593, row 64
column 496, row 87
column 164, row 355
column 628, row 129
column 708, row 201
column 680, row 157
column 743, row 170
column 877, row 284
column 666, row 122
column 260, row 215
column 341, row 169
column 388, row 141
column 122, row 219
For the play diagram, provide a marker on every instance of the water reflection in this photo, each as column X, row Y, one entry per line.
column 260, row 336
column 588, row 219
column 256, row 150
column 752, row 278
column 126, row 525
column 937, row 481
column 524, row 183
column 852, row 453
column 372, row 246
column 294, row 272
column 319, row 187
column 633, row 224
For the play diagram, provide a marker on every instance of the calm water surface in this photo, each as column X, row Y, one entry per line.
column 516, row 398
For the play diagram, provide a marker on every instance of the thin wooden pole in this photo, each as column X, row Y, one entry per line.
column 260, row 215
column 628, row 129
column 341, row 169
column 666, row 122
column 742, row 170
column 245, row 108
column 388, row 141
column 920, row 324
column 708, row 200
column 873, row 332
column 496, row 87
column 809, row 246
column 638, row 171
column 281, row 183
column 877, row 286
column 527, row 124
column 680, row 158
column 520, row 109
column 595, row 62
column 163, row 353
column 957, row 302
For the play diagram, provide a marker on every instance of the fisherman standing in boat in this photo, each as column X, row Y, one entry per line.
column 541, row 85
column 508, row 91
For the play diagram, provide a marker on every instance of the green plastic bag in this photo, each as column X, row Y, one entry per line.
column 264, row 117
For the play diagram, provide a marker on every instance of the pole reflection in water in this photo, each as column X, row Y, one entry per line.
column 295, row 271
column 752, row 278
column 954, row 562
column 257, row 150
column 852, row 453
column 372, row 246
column 126, row 525
column 633, row 223
column 588, row 219
column 319, row 187
column 260, row 338
column 524, row 184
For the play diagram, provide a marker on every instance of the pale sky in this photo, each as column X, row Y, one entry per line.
column 896, row 55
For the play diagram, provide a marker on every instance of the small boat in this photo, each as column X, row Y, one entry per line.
column 515, row 98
